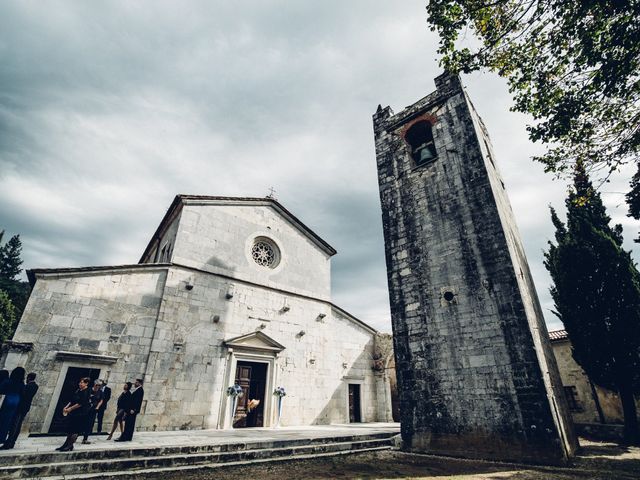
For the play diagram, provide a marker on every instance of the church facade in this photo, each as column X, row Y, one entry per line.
column 228, row 291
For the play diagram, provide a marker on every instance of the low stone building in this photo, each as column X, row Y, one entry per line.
column 588, row 403
column 228, row 290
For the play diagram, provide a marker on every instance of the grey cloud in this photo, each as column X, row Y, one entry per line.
column 107, row 110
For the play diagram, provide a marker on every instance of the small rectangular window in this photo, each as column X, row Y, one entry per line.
column 571, row 393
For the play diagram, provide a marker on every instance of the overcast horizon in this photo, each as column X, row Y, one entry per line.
column 107, row 111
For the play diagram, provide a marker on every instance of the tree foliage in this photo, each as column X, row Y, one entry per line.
column 573, row 66
column 596, row 291
column 16, row 290
column 8, row 317
column 10, row 260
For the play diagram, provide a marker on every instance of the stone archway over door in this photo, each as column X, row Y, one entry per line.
column 251, row 364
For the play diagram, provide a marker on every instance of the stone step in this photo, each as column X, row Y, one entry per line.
column 123, row 451
column 213, row 466
column 154, row 459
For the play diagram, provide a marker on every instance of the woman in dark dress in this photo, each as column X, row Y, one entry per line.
column 122, row 408
column 12, row 389
column 76, row 412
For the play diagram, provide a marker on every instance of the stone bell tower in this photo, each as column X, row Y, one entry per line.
column 476, row 372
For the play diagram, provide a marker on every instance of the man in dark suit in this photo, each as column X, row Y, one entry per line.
column 24, row 406
column 106, row 396
column 137, row 395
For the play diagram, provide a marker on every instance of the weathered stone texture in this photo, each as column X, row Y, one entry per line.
column 475, row 373
column 169, row 323
column 109, row 314
column 574, row 377
column 188, row 362
column 217, row 238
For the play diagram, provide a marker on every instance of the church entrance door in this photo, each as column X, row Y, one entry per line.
column 252, row 378
column 354, row 403
column 71, row 380
column 252, row 365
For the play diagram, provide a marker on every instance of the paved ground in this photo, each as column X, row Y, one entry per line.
column 208, row 437
column 598, row 461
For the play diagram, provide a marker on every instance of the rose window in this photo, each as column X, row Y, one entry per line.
column 265, row 253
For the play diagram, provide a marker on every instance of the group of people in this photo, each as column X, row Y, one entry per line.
column 88, row 403
column 16, row 403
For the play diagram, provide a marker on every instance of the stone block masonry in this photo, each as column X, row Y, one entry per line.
column 476, row 374
column 192, row 322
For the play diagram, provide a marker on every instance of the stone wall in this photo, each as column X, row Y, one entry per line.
column 188, row 354
column 475, row 373
column 109, row 314
column 147, row 323
column 385, row 368
column 165, row 236
column 573, row 376
column 218, row 239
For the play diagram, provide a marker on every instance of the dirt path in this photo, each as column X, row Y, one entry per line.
column 596, row 461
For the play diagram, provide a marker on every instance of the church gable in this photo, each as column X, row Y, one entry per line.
column 254, row 341
column 181, row 200
column 254, row 240
column 259, row 207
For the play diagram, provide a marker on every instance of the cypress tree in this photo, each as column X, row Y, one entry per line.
column 596, row 292
column 8, row 319
column 10, row 260
column 16, row 290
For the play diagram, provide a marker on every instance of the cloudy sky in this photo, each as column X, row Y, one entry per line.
column 109, row 109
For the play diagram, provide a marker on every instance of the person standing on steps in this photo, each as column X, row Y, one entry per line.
column 124, row 400
column 95, row 403
column 76, row 412
column 137, row 395
column 24, row 406
column 12, row 389
column 106, row 396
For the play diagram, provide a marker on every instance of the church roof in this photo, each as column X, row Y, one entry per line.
column 182, row 199
column 33, row 273
column 557, row 335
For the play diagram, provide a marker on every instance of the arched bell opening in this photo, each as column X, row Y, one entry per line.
column 420, row 140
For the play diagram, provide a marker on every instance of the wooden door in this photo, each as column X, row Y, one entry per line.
column 354, row 403
column 257, row 391
column 70, row 385
column 243, row 378
column 252, row 378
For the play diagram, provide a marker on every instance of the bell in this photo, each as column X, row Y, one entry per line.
column 425, row 154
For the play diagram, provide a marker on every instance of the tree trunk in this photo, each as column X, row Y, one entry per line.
column 631, row 430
